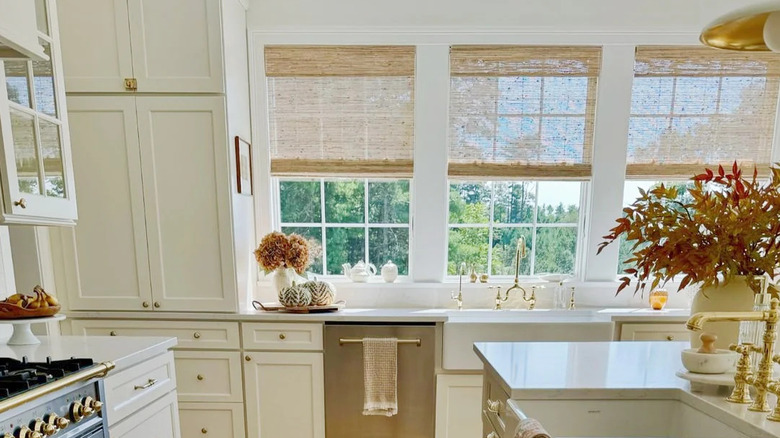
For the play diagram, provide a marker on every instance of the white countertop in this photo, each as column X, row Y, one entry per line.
column 123, row 351
column 608, row 370
column 413, row 315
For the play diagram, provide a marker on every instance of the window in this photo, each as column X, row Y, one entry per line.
column 488, row 218
column 693, row 107
column 347, row 219
column 517, row 114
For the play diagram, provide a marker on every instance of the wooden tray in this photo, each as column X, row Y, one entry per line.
column 12, row 311
column 277, row 307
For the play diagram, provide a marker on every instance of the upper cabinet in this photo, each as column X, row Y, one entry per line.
column 145, row 46
column 36, row 176
column 18, row 33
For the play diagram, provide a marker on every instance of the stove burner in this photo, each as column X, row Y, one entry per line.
column 17, row 376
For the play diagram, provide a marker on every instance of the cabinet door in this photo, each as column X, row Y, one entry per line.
column 458, row 401
column 184, row 157
column 177, row 45
column 160, row 419
column 37, row 176
column 95, row 38
column 107, row 252
column 285, row 395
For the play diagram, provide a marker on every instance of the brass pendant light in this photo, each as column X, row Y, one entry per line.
column 753, row 28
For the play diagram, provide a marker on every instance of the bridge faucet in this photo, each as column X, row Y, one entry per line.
column 521, row 253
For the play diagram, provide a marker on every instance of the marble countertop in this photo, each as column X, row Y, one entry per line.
column 124, row 352
column 608, row 370
column 412, row 315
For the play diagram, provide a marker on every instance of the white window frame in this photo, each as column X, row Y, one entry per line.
column 366, row 225
column 602, row 197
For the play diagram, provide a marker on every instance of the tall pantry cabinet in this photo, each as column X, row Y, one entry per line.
column 153, row 110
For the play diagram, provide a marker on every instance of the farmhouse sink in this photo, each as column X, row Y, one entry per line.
column 465, row 327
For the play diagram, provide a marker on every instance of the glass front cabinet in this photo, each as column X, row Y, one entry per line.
column 36, row 170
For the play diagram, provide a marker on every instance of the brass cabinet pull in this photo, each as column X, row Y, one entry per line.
column 196, row 335
column 282, row 336
column 204, row 431
column 200, row 377
column 145, row 304
column 21, row 203
column 493, row 406
column 670, row 338
column 146, row 385
column 131, row 84
column 112, row 333
column 157, row 304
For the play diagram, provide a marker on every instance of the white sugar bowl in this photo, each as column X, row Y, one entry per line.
column 390, row 271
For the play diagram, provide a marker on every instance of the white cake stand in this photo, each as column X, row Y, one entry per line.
column 23, row 334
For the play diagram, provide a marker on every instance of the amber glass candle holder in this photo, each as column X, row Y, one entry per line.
column 658, row 299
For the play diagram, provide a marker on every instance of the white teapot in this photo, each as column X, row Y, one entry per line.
column 360, row 273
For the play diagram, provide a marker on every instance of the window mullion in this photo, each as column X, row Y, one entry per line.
column 489, row 267
column 533, row 229
column 365, row 219
column 323, row 229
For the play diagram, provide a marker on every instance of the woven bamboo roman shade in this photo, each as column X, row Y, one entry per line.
column 522, row 111
column 696, row 107
column 341, row 110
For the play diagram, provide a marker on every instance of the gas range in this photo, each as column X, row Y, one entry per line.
column 63, row 398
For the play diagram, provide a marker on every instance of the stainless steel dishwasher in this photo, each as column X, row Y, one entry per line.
column 344, row 382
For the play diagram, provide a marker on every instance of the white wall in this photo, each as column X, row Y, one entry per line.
column 491, row 15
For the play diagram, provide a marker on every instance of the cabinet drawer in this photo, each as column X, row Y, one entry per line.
column 190, row 334
column 136, row 387
column 160, row 419
column 273, row 336
column 654, row 332
column 215, row 420
column 208, row 376
column 494, row 405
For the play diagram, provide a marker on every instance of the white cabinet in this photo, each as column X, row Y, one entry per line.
column 164, row 45
column 285, row 395
column 157, row 232
column 18, row 30
column 654, row 332
column 211, row 420
column 458, row 413
column 159, row 419
column 36, row 176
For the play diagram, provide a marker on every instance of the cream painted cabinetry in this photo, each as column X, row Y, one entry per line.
column 458, row 405
column 160, row 419
column 37, row 170
column 157, row 232
column 285, row 394
column 654, row 332
column 164, row 45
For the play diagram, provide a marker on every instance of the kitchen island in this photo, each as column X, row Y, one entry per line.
column 605, row 389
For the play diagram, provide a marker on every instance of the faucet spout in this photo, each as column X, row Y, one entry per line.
column 696, row 322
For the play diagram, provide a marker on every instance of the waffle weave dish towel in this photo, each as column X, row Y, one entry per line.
column 380, row 376
column 530, row 428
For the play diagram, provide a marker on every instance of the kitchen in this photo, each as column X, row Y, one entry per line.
column 450, row 169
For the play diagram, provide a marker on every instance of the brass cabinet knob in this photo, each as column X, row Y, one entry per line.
column 204, row 431
column 282, row 336
column 670, row 338
column 157, row 304
column 247, row 358
column 112, row 333
column 196, row 335
column 145, row 304
column 21, row 203
column 200, row 377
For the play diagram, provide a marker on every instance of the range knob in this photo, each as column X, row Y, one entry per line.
column 44, row 428
column 77, row 412
column 92, row 404
column 26, row 432
column 88, row 404
column 57, row 421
